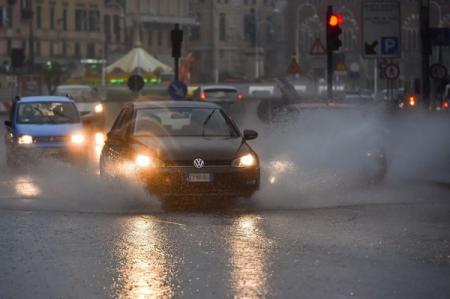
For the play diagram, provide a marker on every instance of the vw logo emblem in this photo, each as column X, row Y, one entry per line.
column 199, row 163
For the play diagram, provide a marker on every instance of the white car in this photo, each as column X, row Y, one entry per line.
column 88, row 101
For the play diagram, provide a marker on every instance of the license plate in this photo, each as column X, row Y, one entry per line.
column 199, row 177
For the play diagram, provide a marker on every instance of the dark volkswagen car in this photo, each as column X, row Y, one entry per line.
column 182, row 148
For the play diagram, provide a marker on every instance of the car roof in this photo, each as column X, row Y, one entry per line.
column 44, row 99
column 226, row 87
column 74, row 87
column 174, row 104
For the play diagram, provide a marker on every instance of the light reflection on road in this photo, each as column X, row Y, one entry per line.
column 25, row 186
column 146, row 270
column 249, row 249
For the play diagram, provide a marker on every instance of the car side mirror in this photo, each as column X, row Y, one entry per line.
column 250, row 134
column 8, row 123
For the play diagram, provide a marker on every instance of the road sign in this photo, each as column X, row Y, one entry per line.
column 392, row 71
column 438, row 71
column 177, row 90
column 381, row 28
column 317, row 48
column 135, row 83
column 440, row 36
column 293, row 67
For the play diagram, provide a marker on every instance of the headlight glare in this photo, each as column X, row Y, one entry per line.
column 98, row 108
column 25, row 139
column 144, row 161
column 247, row 160
column 77, row 139
column 99, row 138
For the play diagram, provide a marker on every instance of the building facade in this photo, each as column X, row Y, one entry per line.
column 63, row 31
column 14, row 29
column 237, row 39
column 154, row 19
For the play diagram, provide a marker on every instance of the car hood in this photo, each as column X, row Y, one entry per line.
column 190, row 148
column 47, row 129
column 86, row 106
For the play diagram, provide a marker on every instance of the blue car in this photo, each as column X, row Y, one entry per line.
column 44, row 126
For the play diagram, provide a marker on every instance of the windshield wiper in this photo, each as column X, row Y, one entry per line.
column 206, row 121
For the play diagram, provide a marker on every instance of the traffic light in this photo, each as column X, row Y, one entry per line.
column 334, row 22
column 176, row 36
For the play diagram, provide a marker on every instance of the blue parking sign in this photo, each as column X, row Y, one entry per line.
column 390, row 45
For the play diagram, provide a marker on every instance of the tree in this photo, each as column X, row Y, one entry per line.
column 54, row 75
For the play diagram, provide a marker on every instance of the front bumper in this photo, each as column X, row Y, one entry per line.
column 225, row 181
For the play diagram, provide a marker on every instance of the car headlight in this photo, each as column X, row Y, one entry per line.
column 99, row 138
column 98, row 108
column 25, row 139
column 77, row 139
column 247, row 160
column 144, row 161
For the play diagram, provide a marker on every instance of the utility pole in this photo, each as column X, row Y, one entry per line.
column 426, row 51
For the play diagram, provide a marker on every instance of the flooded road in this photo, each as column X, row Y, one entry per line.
column 66, row 232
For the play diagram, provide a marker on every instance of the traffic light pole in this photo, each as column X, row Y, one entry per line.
column 329, row 58
column 330, row 72
column 176, row 61
column 176, row 36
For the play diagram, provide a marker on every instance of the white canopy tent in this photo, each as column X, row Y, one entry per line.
column 138, row 58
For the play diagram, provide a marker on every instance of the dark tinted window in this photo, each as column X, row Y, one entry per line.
column 209, row 122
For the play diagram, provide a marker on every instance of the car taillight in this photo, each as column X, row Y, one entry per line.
column 412, row 101
column 203, row 96
column 445, row 105
column 240, row 97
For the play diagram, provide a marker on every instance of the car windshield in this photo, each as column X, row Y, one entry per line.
column 220, row 94
column 47, row 112
column 209, row 122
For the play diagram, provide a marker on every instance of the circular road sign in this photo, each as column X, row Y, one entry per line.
column 392, row 71
column 438, row 71
column 135, row 83
column 178, row 90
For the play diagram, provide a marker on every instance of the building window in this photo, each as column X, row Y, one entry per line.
column 94, row 16
column 222, row 27
column 38, row 17
column 107, row 27
column 160, row 38
column 150, row 38
column 64, row 48
column 37, row 48
column 91, row 50
column 195, row 30
column 9, row 16
column 77, row 50
column 117, row 30
column 64, row 19
column 51, row 49
column 8, row 46
column 80, row 20
column 52, row 18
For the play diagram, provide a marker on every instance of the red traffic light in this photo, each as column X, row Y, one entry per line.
column 335, row 20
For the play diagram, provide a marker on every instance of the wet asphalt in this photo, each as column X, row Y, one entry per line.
column 66, row 233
